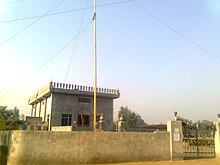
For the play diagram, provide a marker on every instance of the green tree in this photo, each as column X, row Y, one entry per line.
column 205, row 128
column 2, row 121
column 7, row 114
column 131, row 119
column 2, row 117
column 10, row 118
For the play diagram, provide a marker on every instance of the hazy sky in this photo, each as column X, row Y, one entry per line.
column 163, row 55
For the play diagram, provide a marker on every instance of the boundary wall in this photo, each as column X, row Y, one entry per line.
column 4, row 142
column 53, row 148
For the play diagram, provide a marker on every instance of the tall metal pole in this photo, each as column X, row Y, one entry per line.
column 95, row 68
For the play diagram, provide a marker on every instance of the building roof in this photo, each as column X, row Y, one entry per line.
column 71, row 89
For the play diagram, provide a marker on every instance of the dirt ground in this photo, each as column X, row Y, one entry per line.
column 183, row 162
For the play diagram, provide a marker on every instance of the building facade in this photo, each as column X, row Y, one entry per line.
column 60, row 104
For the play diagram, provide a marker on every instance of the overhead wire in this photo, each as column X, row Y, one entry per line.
column 29, row 25
column 206, row 51
column 47, row 61
column 108, row 4
column 64, row 12
column 74, row 47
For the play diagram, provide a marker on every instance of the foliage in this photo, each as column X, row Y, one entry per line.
column 204, row 128
column 2, row 119
column 7, row 114
column 130, row 118
column 10, row 118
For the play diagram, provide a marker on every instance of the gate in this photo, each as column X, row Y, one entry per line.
column 198, row 141
column 198, row 148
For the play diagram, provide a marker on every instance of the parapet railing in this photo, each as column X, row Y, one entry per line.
column 83, row 88
column 32, row 98
column 40, row 93
column 56, row 85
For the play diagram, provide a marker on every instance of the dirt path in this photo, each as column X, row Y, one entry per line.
column 184, row 162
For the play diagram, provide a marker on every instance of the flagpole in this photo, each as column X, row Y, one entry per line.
column 95, row 68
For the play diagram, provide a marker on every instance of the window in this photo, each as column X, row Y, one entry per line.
column 66, row 120
column 83, row 120
column 84, row 100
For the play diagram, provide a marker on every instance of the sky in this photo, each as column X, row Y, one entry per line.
column 163, row 56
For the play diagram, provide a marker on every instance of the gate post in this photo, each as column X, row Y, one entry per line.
column 176, row 139
column 217, row 140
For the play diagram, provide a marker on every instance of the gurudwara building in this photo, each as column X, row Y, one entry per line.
column 59, row 104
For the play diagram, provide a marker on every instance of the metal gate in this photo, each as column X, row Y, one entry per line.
column 198, row 140
column 198, row 148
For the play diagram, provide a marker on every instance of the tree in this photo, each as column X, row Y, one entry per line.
column 2, row 117
column 2, row 121
column 10, row 118
column 7, row 114
column 130, row 118
column 205, row 128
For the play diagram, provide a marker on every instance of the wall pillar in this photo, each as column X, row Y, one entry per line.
column 101, row 123
column 120, row 124
column 176, row 139
column 217, row 140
